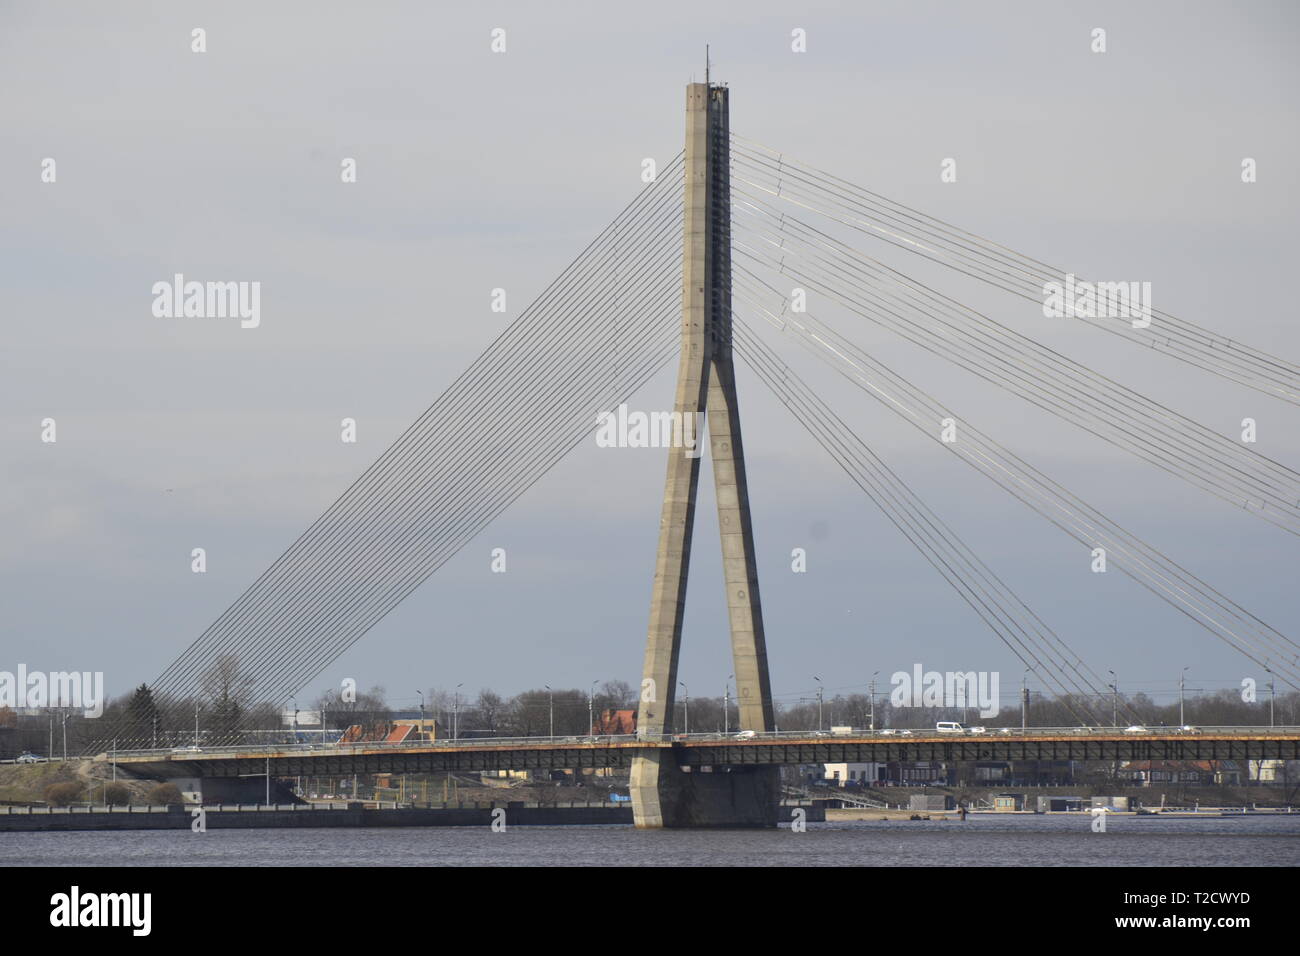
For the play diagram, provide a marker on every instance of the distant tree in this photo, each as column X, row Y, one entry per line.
column 226, row 715
column 227, row 687
column 142, row 711
column 63, row 793
column 117, row 794
column 165, row 794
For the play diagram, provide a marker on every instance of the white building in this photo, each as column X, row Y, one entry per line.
column 858, row 774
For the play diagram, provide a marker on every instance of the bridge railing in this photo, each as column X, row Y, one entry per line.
column 883, row 735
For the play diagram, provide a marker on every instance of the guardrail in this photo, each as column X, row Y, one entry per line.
column 483, row 743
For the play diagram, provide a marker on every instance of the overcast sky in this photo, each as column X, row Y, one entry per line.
column 479, row 170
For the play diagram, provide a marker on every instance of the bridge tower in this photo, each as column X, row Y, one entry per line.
column 663, row 794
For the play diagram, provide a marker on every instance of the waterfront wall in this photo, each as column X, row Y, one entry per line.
column 250, row 817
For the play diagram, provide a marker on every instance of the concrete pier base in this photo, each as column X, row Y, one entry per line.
column 666, row 796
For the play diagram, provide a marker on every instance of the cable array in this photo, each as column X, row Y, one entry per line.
column 777, row 175
column 1037, row 646
column 1121, row 416
column 1222, row 617
column 591, row 339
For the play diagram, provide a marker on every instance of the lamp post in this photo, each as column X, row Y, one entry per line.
column 1182, row 683
column 1114, row 698
column 819, row 702
column 591, row 709
column 1024, row 700
column 1272, row 696
column 726, row 707
column 196, row 724
column 455, row 713
column 420, row 734
column 686, row 708
column 872, row 725
column 550, row 702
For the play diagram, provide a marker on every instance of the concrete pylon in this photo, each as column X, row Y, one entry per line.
column 664, row 795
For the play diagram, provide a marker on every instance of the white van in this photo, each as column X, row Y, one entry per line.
column 949, row 727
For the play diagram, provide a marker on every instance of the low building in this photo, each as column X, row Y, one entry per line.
column 614, row 723
column 1059, row 804
column 853, row 774
column 1146, row 773
column 1118, row 804
column 931, row 801
column 1266, row 771
column 1008, row 802
column 987, row 771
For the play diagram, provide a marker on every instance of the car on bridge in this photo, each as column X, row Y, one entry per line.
column 1136, row 729
column 745, row 735
column 949, row 727
column 29, row 758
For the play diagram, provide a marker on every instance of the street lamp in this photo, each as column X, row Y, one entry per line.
column 1114, row 698
column 455, row 713
column 1024, row 700
column 550, row 700
column 686, row 707
column 420, row 734
column 726, row 706
column 591, row 709
column 873, row 700
column 819, row 702
column 1182, row 683
column 1272, row 696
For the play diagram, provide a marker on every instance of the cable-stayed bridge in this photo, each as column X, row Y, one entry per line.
column 711, row 261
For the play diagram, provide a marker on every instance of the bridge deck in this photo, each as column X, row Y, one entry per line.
column 713, row 750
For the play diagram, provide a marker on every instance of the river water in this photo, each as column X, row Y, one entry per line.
column 1021, row 840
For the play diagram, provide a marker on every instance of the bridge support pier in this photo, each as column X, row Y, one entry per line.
column 666, row 796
